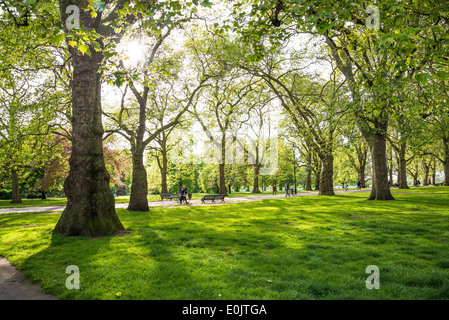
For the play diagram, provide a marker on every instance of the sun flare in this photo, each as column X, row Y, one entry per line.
column 134, row 53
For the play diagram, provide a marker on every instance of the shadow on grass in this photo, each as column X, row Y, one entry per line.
column 139, row 265
column 297, row 248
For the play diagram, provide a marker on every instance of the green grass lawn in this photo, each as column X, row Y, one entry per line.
column 34, row 203
column 424, row 190
column 290, row 248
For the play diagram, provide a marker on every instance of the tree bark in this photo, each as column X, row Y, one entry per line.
column 317, row 179
column 308, row 185
column 256, row 171
column 390, row 175
column 256, row 178
column 90, row 209
column 15, row 186
column 402, row 167
column 317, row 170
column 164, row 170
column 434, row 174
column 426, row 166
column 163, row 164
column 362, row 154
column 221, row 166
column 222, row 185
column 390, row 167
column 380, row 189
column 138, row 200
column 327, row 175
column 361, row 178
column 446, row 161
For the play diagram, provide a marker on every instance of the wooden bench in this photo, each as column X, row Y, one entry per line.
column 213, row 197
column 169, row 196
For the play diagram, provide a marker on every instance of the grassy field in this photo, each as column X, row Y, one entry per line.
column 293, row 248
column 424, row 190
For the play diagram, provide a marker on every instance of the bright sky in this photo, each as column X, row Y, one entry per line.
column 135, row 51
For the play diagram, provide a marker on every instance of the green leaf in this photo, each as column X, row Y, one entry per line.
column 442, row 75
column 84, row 49
column 422, row 77
column 206, row 3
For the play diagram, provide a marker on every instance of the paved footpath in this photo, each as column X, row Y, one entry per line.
column 171, row 203
column 15, row 286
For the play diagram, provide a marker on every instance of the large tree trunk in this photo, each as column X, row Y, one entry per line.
column 361, row 178
column 446, row 161
column 327, row 175
column 402, row 176
column 221, row 167
column 426, row 168
column 390, row 175
column 256, row 172
column 164, row 170
column 317, row 179
column 90, row 209
column 256, row 178
column 362, row 156
column 434, row 174
column 380, row 189
column 138, row 200
column 317, row 170
column 222, row 182
column 308, row 185
column 415, row 178
column 15, row 186
column 163, row 164
column 390, row 167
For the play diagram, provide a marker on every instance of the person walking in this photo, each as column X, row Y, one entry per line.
column 181, row 194
column 286, row 189
column 184, row 197
column 274, row 189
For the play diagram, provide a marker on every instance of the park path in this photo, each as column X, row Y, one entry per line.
column 171, row 203
column 15, row 286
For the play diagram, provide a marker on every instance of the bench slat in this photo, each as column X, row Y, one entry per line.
column 213, row 197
